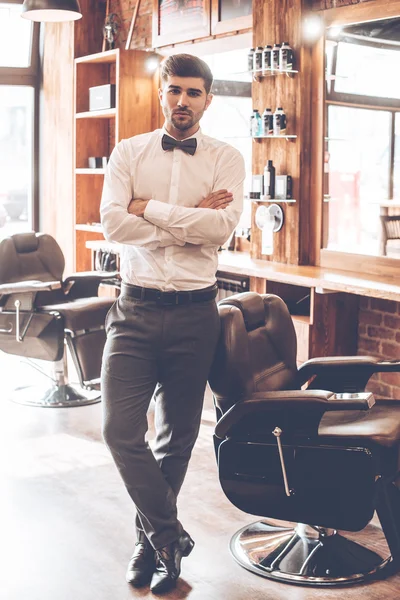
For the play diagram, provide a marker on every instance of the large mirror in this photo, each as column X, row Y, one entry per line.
column 361, row 209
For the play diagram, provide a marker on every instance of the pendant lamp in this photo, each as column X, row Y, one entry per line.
column 51, row 10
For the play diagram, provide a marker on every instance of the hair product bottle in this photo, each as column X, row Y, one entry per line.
column 279, row 121
column 267, row 122
column 267, row 59
column 286, row 57
column 250, row 59
column 269, row 180
column 275, row 56
column 255, row 124
column 258, row 54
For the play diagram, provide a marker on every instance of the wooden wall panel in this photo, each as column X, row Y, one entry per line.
column 278, row 22
column 88, row 193
column 56, row 172
column 88, row 35
column 334, row 331
column 138, row 96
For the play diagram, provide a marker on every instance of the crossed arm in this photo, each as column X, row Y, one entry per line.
column 152, row 224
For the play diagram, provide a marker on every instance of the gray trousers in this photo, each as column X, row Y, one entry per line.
column 167, row 349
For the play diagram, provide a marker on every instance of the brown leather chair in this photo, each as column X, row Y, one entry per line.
column 306, row 446
column 40, row 313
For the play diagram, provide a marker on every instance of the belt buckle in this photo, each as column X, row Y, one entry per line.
column 168, row 298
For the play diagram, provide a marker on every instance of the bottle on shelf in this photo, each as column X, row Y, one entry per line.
column 269, row 180
column 267, row 122
column 257, row 61
column 275, row 56
column 286, row 56
column 250, row 59
column 266, row 59
column 279, row 121
column 255, row 124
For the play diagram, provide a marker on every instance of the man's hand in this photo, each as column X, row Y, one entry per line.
column 216, row 200
column 137, row 206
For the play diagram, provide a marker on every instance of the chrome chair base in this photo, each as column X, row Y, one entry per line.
column 304, row 555
column 57, row 396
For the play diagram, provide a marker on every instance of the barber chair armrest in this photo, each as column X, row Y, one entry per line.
column 305, row 405
column 23, row 287
column 355, row 370
column 98, row 276
column 86, row 283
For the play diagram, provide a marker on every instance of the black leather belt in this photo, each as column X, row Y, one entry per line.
column 169, row 298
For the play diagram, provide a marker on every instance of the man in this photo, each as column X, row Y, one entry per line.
column 166, row 200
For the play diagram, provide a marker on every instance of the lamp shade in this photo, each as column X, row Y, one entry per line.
column 51, row 10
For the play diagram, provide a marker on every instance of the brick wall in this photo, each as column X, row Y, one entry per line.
column 379, row 335
column 142, row 32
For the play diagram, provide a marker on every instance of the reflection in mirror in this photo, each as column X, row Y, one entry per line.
column 361, row 209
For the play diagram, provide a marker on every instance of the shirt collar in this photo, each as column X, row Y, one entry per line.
column 197, row 135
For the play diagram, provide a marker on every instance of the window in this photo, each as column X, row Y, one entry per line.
column 396, row 170
column 228, row 117
column 19, row 67
column 367, row 71
column 362, row 147
column 15, row 38
column 359, row 154
column 16, row 157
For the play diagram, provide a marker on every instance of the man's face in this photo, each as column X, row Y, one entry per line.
column 183, row 101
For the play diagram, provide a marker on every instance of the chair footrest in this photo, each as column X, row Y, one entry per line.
column 303, row 555
column 55, row 396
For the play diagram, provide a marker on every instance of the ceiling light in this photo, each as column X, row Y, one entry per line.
column 313, row 28
column 51, row 10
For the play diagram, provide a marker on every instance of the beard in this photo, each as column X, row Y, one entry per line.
column 183, row 123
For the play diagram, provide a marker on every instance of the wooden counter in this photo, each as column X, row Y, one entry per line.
column 315, row 277
column 322, row 279
column 323, row 302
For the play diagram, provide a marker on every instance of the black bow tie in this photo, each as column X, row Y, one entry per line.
column 189, row 146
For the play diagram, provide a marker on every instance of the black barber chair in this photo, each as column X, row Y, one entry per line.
column 318, row 460
column 40, row 313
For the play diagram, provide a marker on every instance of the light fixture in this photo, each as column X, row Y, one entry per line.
column 51, row 10
column 152, row 64
column 313, row 28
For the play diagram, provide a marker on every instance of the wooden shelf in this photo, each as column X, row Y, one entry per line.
column 108, row 113
column 89, row 228
column 98, row 131
column 90, row 171
column 276, row 137
column 102, row 245
column 275, row 200
column 110, row 56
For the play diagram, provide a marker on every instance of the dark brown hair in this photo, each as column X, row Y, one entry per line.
column 187, row 65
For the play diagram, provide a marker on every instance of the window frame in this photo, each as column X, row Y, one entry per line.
column 29, row 76
column 389, row 105
column 381, row 266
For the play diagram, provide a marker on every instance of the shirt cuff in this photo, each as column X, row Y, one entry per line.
column 158, row 213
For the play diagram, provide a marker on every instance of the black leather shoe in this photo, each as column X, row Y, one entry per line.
column 142, row 564
column 168, row 564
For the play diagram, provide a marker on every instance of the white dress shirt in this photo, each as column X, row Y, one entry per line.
column 174, row 246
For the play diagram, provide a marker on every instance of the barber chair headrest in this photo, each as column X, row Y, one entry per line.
column 252, row 307
column 30, row 257
column 26, row 242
